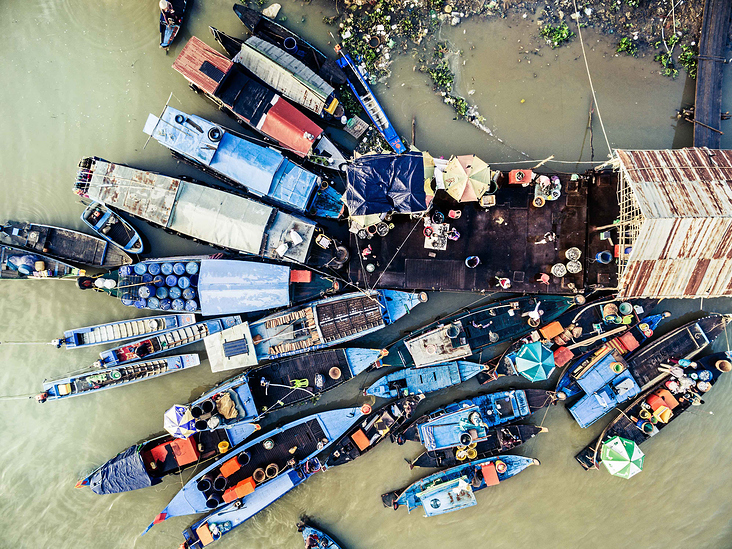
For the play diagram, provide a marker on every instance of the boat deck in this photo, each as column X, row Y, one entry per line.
column 506, row 237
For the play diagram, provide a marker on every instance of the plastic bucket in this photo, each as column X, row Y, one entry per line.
column 244, row 458
column 219, row 482
column 208, row 406
column 213, row 501
column 201, row 425
column 196, row 411
column 625, row 308
column 604, row 257
column 290, row 44
column 472, row 262
column 259, row 476
column 272, row 470
column 204, row 484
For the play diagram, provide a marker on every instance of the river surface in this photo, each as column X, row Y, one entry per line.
column 80, row 77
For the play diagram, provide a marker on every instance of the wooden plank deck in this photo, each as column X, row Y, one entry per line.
column 712, row 47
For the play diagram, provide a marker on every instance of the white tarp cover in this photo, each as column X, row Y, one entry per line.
column 221, row 218
column 233, row 286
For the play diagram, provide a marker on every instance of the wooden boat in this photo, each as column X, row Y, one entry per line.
column 220, row 217
column 468, row 421
column 610, row 381
column 315, row 538
column 115, row 376
column 359, row 86
column 245, row 472
column 170, row 22
column 417, row 381
column 264, row 27
column 250, row 396
column 238, row 93
column 112, row 228
column 661, row 404
column 500, row 439
column 211, row 286
column 324, row 323
column 452, row 489
column 64, row 244
column 149, row 462
column 113, row 332
column 176, row 338
column 17, row 263
column 372, row 429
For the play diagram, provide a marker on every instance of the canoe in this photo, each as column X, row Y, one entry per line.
column 113, row 332
column 64, row 244
column 499, row 440
column 17, row 263
column 665, row 393
column 452, row 489
column 112, row 228
column 248, row 469
column 115, row 376
column 264, row 27
column 422, row 381
column 469, row 421
column 177, row 338
column 315, row 538
column 371, row 429
column 250, row 396
column 320, row 324
column 170, row 23
column 147, row 463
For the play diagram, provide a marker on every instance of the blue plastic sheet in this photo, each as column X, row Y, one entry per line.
column 122, row 473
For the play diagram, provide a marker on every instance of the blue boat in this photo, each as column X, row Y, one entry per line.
column 325, row 323
column 112, row 228
column 261, row 171
column 249, row 396
column 315, row 538
column 249, row 470
column 147, row 463
column 113, row 332
column 452, row 489
column 114, row 376
column 366, row 97
column 469, row 421
column 169, row 340
column 414, row 381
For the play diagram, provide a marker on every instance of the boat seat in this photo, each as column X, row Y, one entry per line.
column 185, row 451
column 361, row 440
column 551, row 330
column 230, row 467
column 490, row 475
column 204, row 534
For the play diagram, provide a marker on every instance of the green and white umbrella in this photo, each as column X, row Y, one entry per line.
column 622, row 457
column 534, row 361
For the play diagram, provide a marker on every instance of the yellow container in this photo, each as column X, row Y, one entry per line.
column 223, row 447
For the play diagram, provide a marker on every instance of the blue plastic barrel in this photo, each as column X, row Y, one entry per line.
column 126, row 270
column 604, row 257
column 175, row 292
column 147, row 278
column 165, row 304
column 127, row 300
column 141, row 303
column 189, row 293
column 191, row 267
column 159, row 280
column 166, row 268
column 161, row 292
column 140, row 269
column 171, row 280
column 178, row 304
column 153, row 268
column 145, row 291
column 153, row 303
column 179, row 269
column 191, row 305
column 184, row 282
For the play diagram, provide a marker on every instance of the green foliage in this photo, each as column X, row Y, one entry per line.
column 688, row 60
column 441, row 49
column 673, row 40
column 628, row 46
column 556, row 36
column 667, row 62
column 442, row 76
column 633, row 3
column 461, row 106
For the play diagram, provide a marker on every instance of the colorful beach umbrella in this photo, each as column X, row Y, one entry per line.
column 179, row 422
column 467, row 178
column 534, row 361
column 622, row 457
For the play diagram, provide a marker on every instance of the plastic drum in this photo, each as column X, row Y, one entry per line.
column 175, row 292
column 159, row 280
column 559, row 270
column 153, row 303
column 161, row 293
column 153, row 268
column 166, row 268
column 178, row 304
column 184, row 282
column 179, row 269
column 171, row 280
column 141, row 303
column 574, row 266
column 191, row 305
column 147, row 278
column 145, row 291
column 140, row 269
column 127, row 300
column 189, row 293
column 126, row 270
column 192, row 267
column 165, row 304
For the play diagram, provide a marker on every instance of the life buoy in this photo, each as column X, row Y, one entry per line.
column 366, row 409
column 215, row 134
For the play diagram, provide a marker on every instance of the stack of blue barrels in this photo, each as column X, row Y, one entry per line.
column 162, row 286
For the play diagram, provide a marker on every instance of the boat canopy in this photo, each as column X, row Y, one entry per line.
column 382, row 183
column 122, row 473
column 447, row 496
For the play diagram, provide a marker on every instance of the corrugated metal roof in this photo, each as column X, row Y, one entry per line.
column 290, row 127
column 191, row 64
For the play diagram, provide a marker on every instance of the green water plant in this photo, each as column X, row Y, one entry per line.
column 688, row 60
column 442, row 76
column 628, row 46
column 556, row 36
column 667, row 62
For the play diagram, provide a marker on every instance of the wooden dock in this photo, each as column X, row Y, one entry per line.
column 712, row 48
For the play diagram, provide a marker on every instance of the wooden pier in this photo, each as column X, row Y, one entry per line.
column 712, row 48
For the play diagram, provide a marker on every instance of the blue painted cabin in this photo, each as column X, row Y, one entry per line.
column 412, row 381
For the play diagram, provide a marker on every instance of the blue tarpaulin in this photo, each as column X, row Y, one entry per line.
column 121, row 474
column 383, row 183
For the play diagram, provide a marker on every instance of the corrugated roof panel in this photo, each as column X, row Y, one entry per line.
column 290, row 127
column 202, row 65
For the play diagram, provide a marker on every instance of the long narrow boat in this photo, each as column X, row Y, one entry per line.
column 16, row 263
column 499, row 440
column 249, row 468
column 662, row 403
column 250, row 396
column 113, row 332
column 419, row 381
column 452, row 489
column 372, row 429
column 211, row 286
column 242, row 96
column 176, row 338
column 609, row 381
column 64, row 244
column 368, row 100
column 221, row 218
column 147, row 463
column 111, row 227
column 325, row 323
column 171, row 21
column 315, row 538
column 469, row 421
column 264, row 27
column 115, row 376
